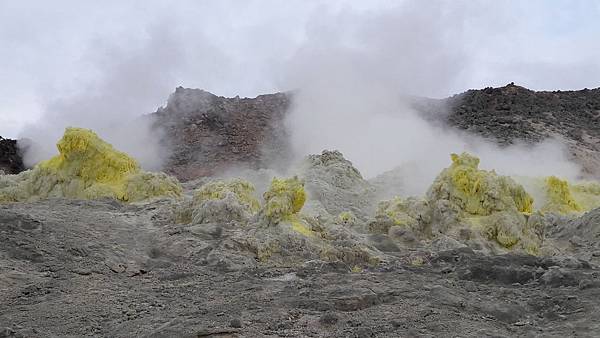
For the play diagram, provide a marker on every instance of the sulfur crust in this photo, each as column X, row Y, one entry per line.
column 479, row 192
column 284, row 198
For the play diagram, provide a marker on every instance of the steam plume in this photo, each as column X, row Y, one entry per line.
column 352, row 82
column 132, row 81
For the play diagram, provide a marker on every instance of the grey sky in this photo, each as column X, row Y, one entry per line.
column 55, row 56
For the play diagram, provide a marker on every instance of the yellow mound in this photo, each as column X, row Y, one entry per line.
column 479, row 192
column 284, row 199
column 487, row 204
column 558, row 197
column 510, row 230
column 89, row 168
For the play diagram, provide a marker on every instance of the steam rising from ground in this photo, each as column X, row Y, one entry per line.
column 353, row 79
column 351, row 65
column 132, row 80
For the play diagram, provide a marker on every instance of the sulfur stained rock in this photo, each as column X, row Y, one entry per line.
column 558, row 197
column 480, row 208
column 478, row 192
column 284, row 199
column 412, row 214
column 224, row 201
column 215, row 190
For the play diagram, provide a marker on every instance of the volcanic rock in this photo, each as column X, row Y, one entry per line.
column 208, row 134
column 513, row 114
column 11, row 161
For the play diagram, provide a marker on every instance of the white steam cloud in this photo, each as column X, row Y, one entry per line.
column 132, row 80
column 352, row 78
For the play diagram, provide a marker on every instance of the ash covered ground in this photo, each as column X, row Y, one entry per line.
column 319, row 251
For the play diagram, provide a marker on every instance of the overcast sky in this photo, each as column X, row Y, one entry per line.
column 137, row 52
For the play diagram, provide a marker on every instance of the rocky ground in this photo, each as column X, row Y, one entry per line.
column 100, row 268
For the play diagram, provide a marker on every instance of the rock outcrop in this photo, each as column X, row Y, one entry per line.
column 208, row 133
column 11, row 161
column 512, row 114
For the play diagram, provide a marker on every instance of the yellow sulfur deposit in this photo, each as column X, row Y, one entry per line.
column 478, row 192
column 410, row 213
column 218, row 190
column 284, row 198
column 558, row 196
column 89, row 168
column 587, row 194
column 464, row 198
column 346, row 217
column 84, row 155
column 300, row 227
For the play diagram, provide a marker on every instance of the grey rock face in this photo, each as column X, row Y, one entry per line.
column 333, row 181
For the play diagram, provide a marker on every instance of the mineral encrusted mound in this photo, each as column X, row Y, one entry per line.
column 296, row 241
column 473, row 206
column 559, row 197
column 274, row 232
column 412, row 214
column 282, row 235
column 492, row 205
column 333, row 181
column 478, row 192
column 284, row 200
column 223, row 201
column 87, row 168
column 11, row 161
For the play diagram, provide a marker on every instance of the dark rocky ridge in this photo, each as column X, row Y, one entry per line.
column 512, row 113
column 11, row 161
column 208, row 133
